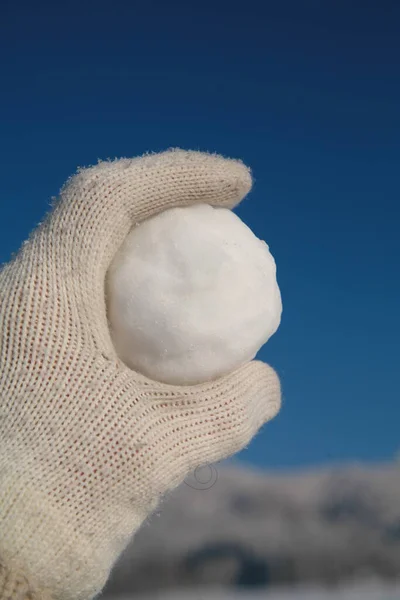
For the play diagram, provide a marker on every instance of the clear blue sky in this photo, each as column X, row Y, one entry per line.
column 307, row 93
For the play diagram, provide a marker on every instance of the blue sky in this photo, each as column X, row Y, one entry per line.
column 307, row 93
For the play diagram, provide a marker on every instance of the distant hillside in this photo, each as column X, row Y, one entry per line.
column 261, row 529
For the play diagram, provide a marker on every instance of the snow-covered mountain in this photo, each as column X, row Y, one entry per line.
column 234, row 527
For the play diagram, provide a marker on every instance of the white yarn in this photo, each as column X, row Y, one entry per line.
column 191, row 295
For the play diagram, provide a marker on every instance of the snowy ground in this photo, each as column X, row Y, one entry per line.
column 357, row 592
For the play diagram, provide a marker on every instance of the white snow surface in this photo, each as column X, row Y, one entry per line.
column 358, row 591
column 191, row 295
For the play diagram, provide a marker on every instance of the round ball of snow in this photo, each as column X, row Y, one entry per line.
column 191, row 295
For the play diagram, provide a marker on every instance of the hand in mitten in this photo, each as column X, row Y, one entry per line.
column 88, row 446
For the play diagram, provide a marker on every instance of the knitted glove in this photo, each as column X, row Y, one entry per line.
column 88, row 446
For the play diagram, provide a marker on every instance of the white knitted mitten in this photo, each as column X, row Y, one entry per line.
column 87, row 446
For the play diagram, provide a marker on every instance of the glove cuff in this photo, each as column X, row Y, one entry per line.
column 45, row 547
column 14, row 585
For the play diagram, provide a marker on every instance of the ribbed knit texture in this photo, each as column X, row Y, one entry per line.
column 87, row 446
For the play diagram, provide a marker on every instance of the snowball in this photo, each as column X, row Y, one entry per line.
column 191, row 295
